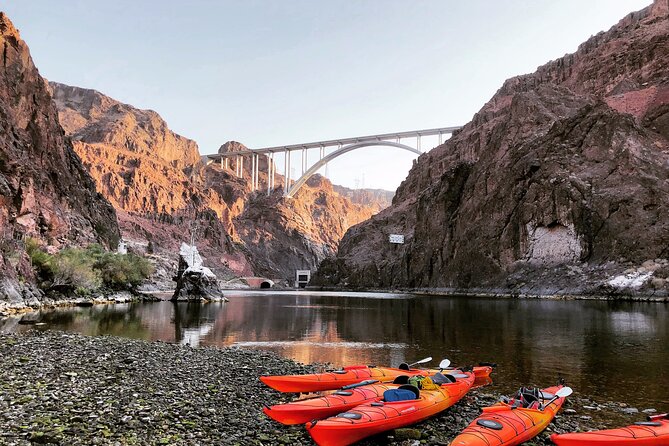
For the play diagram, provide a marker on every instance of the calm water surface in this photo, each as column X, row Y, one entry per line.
column 611, row 351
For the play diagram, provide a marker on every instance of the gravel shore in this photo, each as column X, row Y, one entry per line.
column 69, row 389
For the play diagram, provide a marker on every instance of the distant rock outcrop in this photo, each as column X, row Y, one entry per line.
column 284, row 235
column 45, row 191
column 560, row 180
column 194, row 280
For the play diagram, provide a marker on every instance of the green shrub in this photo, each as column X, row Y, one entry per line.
column 42, row 262
column 82, row 270
column 74, row 270
column 120, row 271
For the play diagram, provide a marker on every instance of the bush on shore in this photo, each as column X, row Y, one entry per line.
column 83, row 270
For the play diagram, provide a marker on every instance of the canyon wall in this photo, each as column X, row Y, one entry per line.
column 560, row 180
column 45, row 191
column 162, row 190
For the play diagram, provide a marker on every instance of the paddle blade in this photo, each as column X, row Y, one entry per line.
column 564, row 392
column 444, row 363
column 422, row 361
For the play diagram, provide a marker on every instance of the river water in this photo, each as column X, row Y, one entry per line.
column 609, row 351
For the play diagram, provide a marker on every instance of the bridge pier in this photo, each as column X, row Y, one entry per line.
column 286, row 171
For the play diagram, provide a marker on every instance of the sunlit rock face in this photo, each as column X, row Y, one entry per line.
column 162, row 191
column 45, row 192
column 566, row 165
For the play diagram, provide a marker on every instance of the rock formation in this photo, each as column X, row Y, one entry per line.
column 194, row 280
column 45, row 191
column 297, row 233
column 376, row 199
column 152, row 176
column 560, row 180
column 160, row 187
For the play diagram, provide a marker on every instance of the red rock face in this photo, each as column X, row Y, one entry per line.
column 561, row 167
column 44, row 190
column 155, row 179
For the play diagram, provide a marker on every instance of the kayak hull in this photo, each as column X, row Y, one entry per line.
column 641, row 435
column 373, row 418
column 319, row 382
column 301, row 411
column 513, row 426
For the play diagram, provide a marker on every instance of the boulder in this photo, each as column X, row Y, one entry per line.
column 194, row 280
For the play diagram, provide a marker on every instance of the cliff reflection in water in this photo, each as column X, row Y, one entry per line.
column 613, row 351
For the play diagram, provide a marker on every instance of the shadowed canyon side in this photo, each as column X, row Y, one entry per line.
column 159, row 186
column 45, row 191
column 558, row 183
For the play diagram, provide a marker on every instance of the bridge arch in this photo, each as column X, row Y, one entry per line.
column 339, row 152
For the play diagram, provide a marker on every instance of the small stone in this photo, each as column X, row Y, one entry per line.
column 630, row 410
column 649, row 411
column 569, row 411
column 407, row 434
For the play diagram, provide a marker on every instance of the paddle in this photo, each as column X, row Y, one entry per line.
column 422, row 361
column 361, row 383
column 562, row 393
column 444, row 364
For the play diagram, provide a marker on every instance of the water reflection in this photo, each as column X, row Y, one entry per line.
column 613, row 350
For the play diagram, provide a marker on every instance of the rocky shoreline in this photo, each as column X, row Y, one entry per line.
column 68, row 389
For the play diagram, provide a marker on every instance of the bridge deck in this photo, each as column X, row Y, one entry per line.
column 343, row 141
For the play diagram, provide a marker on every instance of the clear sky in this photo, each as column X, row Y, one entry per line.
column 271, row 72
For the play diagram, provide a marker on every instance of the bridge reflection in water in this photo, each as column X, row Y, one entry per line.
column 615, row 351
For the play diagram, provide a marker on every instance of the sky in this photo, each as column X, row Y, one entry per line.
column 270, row 72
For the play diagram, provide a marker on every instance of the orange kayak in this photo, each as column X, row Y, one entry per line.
column 505, row 425
column 318, row 382
column 301, row 411
column 654, row 432
column 378, row 416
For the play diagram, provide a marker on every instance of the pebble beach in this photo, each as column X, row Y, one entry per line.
column 68, row 389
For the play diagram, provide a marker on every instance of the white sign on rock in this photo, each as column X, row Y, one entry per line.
column 396, row 238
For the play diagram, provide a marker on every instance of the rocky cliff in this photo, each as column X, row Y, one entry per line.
column 162, row 189
column 45, row 191
column 559, row 181
column 298, row 233
column 377, row 199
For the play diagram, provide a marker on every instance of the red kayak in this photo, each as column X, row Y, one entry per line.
column 301, row 411
column 654, row 432
column 318, row 382
column 508, row 424
column 378, row 416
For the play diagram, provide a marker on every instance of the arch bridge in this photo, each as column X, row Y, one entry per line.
column 410, row 141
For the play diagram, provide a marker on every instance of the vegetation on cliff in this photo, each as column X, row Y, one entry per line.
column 84, row 270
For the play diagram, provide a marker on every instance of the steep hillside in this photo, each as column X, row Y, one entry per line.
column 559, row 181
column 45, row 192
column 162, row 191
column 377, row 199
column 297, row 233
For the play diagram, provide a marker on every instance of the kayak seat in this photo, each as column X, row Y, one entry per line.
column 404, row 366
column 414, row 389
column 402, row 379
column 405, row 392
column 440, row 378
